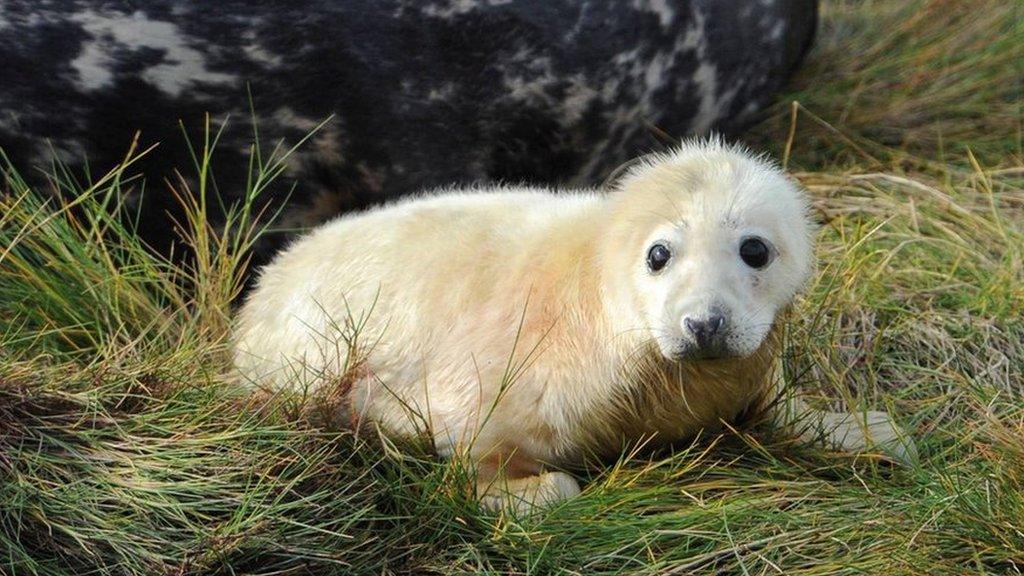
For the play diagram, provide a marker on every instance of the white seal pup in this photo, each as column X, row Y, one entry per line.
column 525, row 328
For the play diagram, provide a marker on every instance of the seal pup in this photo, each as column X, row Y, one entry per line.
column 526, row 328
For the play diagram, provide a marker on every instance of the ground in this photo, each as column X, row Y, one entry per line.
column 122, row 450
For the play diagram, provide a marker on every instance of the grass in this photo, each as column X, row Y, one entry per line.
column 123, row 450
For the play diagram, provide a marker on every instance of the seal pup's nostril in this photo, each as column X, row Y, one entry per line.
column 705, row 330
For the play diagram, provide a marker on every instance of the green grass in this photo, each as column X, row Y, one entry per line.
column 124, row 450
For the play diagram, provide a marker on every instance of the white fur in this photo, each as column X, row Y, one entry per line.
column 711, row 199
column 507, row 322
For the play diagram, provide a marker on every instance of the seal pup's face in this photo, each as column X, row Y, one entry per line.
column 715, row 242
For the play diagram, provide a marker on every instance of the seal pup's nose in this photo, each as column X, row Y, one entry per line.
column 705, row 330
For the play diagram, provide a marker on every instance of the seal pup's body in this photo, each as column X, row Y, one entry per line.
column 523, row 328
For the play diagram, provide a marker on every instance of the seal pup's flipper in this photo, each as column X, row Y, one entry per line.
column 850, row 432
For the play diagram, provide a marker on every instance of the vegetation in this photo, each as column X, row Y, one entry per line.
column 124, row 448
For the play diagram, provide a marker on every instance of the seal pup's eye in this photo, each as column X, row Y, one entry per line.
column 658, row 256
column 755, row 253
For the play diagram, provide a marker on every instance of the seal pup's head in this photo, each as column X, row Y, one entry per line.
column 708, row 244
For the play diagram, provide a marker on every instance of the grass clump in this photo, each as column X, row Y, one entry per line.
column 124, row 448
column 923, row 81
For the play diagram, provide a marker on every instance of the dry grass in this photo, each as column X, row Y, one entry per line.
column 920, row 82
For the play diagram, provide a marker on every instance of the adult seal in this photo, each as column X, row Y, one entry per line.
column 422, row 94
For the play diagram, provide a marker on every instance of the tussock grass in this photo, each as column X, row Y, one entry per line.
column 123, row 448
column 922, row 81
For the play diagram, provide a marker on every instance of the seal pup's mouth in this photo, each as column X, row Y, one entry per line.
column 690, row 352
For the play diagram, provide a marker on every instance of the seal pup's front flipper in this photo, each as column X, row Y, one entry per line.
column 855, row 432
